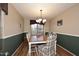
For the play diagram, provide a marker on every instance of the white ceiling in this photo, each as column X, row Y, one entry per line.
column 50, row 10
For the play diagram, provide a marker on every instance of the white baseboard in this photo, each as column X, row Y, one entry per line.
column 16, row 49
column 66, row 50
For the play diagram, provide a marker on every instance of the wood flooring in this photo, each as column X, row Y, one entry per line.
column 62, row 52
column 23, row 50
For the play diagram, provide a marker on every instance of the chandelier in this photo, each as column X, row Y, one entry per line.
column 41, row 19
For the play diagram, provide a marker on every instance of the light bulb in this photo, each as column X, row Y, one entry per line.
column 40, row 20
column 37, row 20
column 44, row 20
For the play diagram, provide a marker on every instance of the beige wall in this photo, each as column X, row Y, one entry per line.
column 12, row 22
column 70, row 21
column 47, row 26
column 27, row 25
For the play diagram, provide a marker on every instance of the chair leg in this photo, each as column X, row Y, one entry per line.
column 36, row 48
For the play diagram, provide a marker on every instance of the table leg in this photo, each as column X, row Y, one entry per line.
column 29, row 49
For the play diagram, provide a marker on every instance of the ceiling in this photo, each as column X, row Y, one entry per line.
column 50, row 10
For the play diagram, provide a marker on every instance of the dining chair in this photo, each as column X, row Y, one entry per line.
column 34, row 50
column 48, row 49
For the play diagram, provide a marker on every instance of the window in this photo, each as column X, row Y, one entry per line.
column 33, row 29
column 40, row 29
column 37, row 29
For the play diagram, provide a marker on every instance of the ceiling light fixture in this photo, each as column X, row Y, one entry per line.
column 41, row 19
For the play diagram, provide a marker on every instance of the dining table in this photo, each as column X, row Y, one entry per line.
column 36, row 40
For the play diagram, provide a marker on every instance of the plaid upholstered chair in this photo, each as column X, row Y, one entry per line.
column 48, row 49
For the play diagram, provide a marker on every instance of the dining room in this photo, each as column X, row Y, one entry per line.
column 39, row 29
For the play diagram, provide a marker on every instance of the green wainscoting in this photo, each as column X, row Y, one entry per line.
column 70, row 43
column 0, row 44
column 12, row 43
column 25, row 34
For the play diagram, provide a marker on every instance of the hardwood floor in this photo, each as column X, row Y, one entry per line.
column 23, row 50
column 62, row 52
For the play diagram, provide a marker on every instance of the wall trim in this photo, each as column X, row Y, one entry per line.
column 68, row 34
column 11, row 35
column 66, row 50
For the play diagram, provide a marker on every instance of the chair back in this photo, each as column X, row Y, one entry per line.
column 51, row 38
column 52, row 44
column 50, row 47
